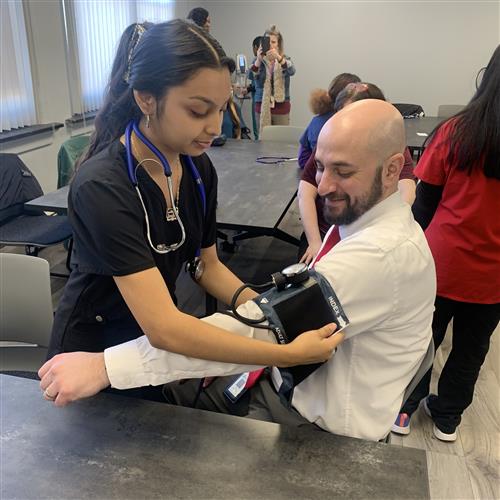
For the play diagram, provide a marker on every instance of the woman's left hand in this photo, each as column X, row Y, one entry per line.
column 73, row 375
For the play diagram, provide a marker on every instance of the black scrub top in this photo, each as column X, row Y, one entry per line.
column 109, row 232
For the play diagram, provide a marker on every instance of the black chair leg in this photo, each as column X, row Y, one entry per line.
column 31, row 250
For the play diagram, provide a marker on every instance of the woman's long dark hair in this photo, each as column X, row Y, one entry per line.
column 165, row 56
column 475, row 134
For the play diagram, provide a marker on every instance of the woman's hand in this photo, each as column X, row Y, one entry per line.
column 73, row 375
column 314, row 346
column 311, row 252
column 273, row 55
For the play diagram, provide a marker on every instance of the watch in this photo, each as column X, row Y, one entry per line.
column 195, row 268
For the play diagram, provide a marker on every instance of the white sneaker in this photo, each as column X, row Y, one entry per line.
column 402, row 424
column 442, row 436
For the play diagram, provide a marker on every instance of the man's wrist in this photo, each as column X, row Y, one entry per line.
column 102, row 371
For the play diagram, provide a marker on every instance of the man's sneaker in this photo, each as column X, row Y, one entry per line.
column 442, row 436
column 402, row 424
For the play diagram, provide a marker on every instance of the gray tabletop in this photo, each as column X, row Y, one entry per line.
column 115, row 447
column 251, row 194
column 55, row 201
column 417, row 129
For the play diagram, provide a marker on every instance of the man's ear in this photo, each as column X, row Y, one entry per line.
column 146, row 102
column 393, row 166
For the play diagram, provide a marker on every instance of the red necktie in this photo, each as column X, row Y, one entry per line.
column 331, row 241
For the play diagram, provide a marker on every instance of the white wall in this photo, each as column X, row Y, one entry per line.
column 420, row 52
column 50, row 78
column 423, row 52
column 45, row 28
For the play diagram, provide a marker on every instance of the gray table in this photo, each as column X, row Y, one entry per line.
column 415, row 127
column 253, row 198
column 55, row 201
column 116, row 447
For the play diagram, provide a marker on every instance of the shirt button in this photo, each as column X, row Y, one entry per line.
column 99, row 318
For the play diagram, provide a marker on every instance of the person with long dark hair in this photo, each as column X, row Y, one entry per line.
column 143, row 204
column 458, row 205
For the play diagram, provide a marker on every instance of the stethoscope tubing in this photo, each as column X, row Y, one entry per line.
column 132, row 175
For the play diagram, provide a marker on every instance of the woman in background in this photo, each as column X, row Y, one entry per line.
column 321, row 103
column 233, row 125
column 458, row 206
column 200, row 17
column 272, row 71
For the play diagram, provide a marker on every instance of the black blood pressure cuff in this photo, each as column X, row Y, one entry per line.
column 296, row 309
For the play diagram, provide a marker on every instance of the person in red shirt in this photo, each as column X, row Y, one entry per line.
column 458, row 206
column 311, row 205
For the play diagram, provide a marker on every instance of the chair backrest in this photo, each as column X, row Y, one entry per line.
column 409, row 110
column 447, row 110
column 281, row 133
column 424, row 367
column 25, row 299
column 68, row 155
column 17, row 185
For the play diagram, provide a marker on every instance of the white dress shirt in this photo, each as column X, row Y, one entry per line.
column 383, row 274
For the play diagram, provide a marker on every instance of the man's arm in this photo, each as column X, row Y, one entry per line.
column 77, row 375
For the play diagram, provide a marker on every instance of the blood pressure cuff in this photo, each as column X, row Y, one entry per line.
column 296, row 309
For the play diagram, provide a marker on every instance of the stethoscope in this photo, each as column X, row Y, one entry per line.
column 274, row 160
column 161, row 248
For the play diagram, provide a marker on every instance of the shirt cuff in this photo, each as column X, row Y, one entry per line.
column 137, row 363
column 124, row 366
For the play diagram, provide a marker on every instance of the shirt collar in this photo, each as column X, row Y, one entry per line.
column 376, row 212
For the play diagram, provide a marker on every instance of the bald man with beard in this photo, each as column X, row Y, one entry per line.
column 381, row 270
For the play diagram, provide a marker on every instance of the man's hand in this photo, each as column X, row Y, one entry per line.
column 314, row 346
column 73, row 375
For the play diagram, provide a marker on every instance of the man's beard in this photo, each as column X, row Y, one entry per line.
column 353, row 211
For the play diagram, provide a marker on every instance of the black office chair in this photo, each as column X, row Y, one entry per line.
column 17, row 186
column 409, row 110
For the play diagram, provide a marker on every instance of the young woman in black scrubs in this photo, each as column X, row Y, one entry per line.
column 135, row 226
